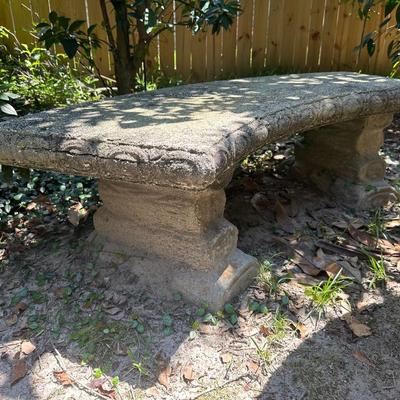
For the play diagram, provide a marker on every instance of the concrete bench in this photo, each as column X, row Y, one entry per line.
column 163, row 159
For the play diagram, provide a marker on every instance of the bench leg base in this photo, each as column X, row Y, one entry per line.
column 165, row 278
column 171, row 240
column 343, row 160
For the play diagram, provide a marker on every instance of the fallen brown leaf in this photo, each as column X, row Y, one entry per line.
column 27, row 347
column 332, row 269
column 163, row 376
column 305, row 265
column 304, row 279
column 265, row 331
column 373, row 243
column 253, row 366
column 18, row 371
column 300, row 259
column 63, row 378
column 208, row 329
column 357, row 327
column 360, row 356
column 187, row 373
column 344, row 249
column 31, row 206
column 283, row 219
column 362, row 237
column 302, row 329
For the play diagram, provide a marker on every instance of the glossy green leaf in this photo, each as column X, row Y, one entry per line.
column 8, row 109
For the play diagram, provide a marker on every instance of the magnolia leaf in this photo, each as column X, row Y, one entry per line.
column 8, row 109
column 70, row 46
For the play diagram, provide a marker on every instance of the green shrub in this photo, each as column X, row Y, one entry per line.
column 40, row 77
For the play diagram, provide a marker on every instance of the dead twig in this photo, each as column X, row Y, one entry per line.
column 61, row 364
column 347, row 249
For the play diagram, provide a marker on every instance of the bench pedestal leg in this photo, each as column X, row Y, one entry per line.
column 174, row 240
column 342, row 159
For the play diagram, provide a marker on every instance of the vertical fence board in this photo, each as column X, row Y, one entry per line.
column 40, row 10
column 22, row 19
column 183, row 50
column 199, row 56
column 351, row 38
column 337, row 47
column 101, row 56
column 214, row 56
column 291, row 11
column 328, row 34
column 244, row 37
column 260, row 34
column 275, row 31
column 302, row 22
column 229, row 51
column 5, row 15
column 314, row 41
column 71, row 9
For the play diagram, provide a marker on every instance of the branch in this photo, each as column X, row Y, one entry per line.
column 107, row 26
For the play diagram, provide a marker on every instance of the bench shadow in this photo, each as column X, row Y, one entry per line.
column 332, row 363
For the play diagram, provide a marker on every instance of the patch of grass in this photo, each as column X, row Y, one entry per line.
column 268, row 280
column 279, row 327
column 379, row 274
column 376, row 225
column 264, row 354
column 137, row 365
column 327, row 292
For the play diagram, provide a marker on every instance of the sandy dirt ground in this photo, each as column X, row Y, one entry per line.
column 65, row 333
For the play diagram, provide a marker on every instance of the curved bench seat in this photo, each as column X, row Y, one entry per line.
column 163, row 159
column 189, row 136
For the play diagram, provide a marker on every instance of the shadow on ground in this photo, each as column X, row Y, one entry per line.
column 52, row 296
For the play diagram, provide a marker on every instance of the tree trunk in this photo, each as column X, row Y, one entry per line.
column 124, row 66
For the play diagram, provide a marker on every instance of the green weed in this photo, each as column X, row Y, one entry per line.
column 264, row 354
column 137, row 365
column 327, row 292
column 378, row 270
column 268, row 280
column 376, row 225
column 279, row 327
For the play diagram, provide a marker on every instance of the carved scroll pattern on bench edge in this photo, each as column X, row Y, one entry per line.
column 180, row 168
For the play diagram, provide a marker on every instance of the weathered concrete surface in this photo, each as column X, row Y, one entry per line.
column 191, row 135
column 343, row 159
column 173, row 240
column 163, row 159
column 179, row 225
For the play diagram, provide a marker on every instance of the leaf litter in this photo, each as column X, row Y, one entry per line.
column 313, row 234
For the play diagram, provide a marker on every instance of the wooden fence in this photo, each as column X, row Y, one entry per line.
column 292, row 35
